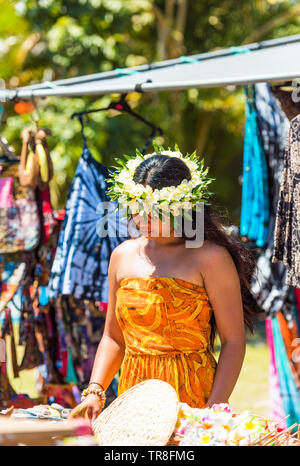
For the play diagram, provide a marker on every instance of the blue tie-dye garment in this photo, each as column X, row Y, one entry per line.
column 80, row 265
column 255, row 209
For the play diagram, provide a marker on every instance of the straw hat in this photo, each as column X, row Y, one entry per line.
column 144, row 415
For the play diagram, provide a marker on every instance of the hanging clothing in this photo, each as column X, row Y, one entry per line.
column 79, row 334
column 255, row 196
column 287, row 228
column 12, row 273
column 276, row 406
column 288, row 389
column 67, row 395
column 80, row 266
column 60, row 345
column 46, row 213
column 165, row 339
column 290, row 335
column 268, row 284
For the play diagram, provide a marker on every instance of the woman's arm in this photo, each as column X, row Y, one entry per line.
column 111, row 349
column 223, row 288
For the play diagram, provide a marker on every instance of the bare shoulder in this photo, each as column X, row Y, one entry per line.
column 119, row 257
column 123, row 249
column 212, row 255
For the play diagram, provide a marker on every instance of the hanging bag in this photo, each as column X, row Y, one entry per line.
column 29, row 165
column 19, row 216
column 36, row 167
column 44, row 158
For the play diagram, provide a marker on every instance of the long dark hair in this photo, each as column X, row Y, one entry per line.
column 160, row 171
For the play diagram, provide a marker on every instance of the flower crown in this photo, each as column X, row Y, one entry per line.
column 137, row 198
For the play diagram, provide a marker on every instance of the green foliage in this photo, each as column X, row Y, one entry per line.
column 55, row 39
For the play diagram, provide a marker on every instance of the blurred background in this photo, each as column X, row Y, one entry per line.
column 43, row 40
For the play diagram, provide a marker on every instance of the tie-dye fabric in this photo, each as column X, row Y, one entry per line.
column 80, row 265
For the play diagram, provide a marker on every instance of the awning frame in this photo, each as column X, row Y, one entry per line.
column 70, row 87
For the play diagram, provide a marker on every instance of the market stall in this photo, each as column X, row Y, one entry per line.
column 49, row 284
column 148, row 414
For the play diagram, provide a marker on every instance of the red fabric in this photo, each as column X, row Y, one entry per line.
column 22, row 402
column 47, row 214
column 64, row 360
column 61, row 394
column 103, row 306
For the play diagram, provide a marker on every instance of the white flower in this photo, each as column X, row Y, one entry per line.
column 147, row 206
column 134, row 163
column 191, row 165
column 153, row 196
column 133, row 206
column 165, row 194
column 123, row 199
column 234, row 438
column 134, row 189
column 219, row 433
column 185, row 409
column 176, row 208
column 124, row 176
column 196, row 178
column 249, row 426
column 148, row 190
column 177, row 195
column 172, row 154
column 222, row 418
column 186, row 205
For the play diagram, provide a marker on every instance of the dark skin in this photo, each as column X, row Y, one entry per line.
column 209, row 266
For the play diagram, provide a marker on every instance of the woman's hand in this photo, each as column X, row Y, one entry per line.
column 90, row 408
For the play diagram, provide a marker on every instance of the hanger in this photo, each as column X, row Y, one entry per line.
column 121, row 106
column 7, row 154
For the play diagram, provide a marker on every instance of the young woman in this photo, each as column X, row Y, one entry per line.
column 167, row 300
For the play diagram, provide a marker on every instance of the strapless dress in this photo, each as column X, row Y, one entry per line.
column 166, row 327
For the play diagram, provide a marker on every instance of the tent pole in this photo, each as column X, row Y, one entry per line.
column 166, row 63
column 144, row 87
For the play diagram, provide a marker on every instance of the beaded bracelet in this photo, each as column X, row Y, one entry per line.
column 96, row 383
column 95, row 391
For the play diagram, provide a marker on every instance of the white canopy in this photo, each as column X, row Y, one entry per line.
column 268, row 61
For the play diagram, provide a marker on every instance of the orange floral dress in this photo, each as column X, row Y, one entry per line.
column 166, row 327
